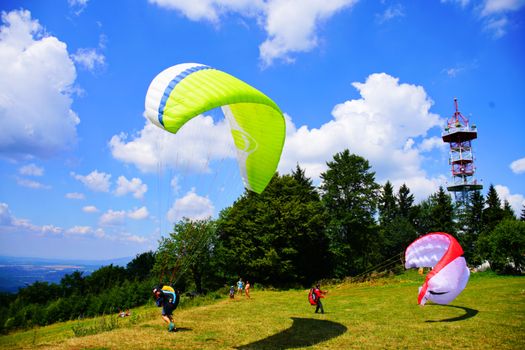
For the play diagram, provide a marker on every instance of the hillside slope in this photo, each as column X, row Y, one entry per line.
column 489, row 314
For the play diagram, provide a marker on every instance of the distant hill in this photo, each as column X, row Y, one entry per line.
column 16, row 272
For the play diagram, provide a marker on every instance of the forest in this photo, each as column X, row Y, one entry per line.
column 290, row 236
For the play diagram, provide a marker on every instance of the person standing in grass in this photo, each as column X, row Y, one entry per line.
column 247, row 289
column 318, row 295
column 232, row 292
column 166, row 298
column 240, row 286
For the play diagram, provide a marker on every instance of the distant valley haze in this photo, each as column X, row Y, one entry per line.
column 18, row 272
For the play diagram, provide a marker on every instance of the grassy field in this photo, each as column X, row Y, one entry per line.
column 489, row 314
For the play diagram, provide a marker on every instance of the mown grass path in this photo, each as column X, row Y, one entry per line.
column 489, row 314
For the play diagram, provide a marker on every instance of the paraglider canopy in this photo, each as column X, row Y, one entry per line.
column 184, row 91
column 449, row 276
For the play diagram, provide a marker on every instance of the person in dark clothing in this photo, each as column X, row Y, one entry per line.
column 167, row 299
column 318, row 295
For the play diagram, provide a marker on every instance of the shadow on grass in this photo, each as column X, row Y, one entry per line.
column 468, row 314
column 183, row 329
column 303, row 332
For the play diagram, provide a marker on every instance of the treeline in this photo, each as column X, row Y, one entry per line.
column 106, row 290
column 291, row 235
column 295, row 233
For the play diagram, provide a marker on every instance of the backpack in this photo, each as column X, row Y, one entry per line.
column 312, row 298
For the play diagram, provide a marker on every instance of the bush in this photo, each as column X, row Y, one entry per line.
column 504, row 247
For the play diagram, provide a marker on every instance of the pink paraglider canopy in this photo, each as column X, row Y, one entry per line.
column 449, row 274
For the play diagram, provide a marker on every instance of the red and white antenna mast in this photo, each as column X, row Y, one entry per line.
column 459, row 135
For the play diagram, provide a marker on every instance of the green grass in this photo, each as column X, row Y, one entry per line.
column 489, row 314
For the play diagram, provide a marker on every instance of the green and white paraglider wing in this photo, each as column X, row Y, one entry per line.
column 187, row 90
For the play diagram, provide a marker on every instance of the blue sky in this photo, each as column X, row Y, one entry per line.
column 85, row 175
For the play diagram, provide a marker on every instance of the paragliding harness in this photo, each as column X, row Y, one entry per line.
column 169, row 300
column 312, row 297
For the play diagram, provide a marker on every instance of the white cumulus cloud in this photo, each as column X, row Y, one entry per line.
column 118, row 217
column 36, row 80
column 113, row 218
column 95, row 181
column 75, row 195
column 135, row 186
column 191, row 149
column 90, row 209
column 518, row 166
column 6, row 218
column 516, row 201
column 89, row 58
column 388, row 126
column 31, row 170
column 31, row 183
column 191, row 206
column 211, row 10
column 79, row 230
column 291, row 26
column 11, row 224
column 138, row 214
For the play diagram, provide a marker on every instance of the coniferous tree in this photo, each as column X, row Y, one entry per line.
column 472, row 226
column 435, row 214
column 387, row 205
column 493, row 213
column 405, row 202
column 443, row 212
column 423, row 217
column 349, row 193
column 396, row 229
column 508, row 212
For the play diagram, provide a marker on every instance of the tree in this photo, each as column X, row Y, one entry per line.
column 443, row 212
column 387, row 205
column 493, row 213
column 73, row 283
column 39, row 293
column 140, row 267
column 396, row 236
column 472, row 226
column 503, row 247
column 104, row 278
column 349, row 193
column 522, row 216
column 508, row 212
column 405, row 202
column 435, row 214
column 423, row 219
column 277, row 237
column 186, row 250
column 395, row 213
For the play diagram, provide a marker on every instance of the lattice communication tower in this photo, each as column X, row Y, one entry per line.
column 459, row 135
